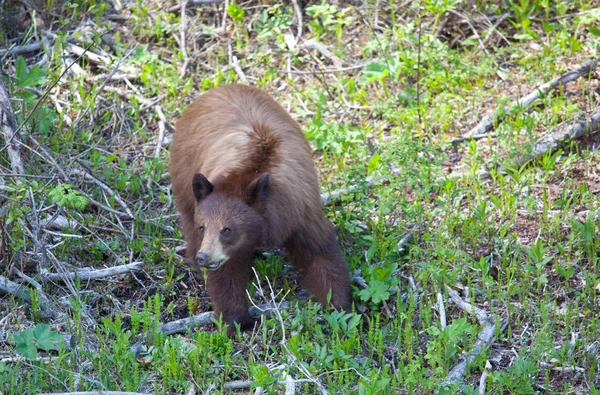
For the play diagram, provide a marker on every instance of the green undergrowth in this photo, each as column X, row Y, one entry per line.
column 523, row 246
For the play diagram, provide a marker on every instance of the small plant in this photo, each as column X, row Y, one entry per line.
column 40, row 337
column 380, row 284
column 66, row 196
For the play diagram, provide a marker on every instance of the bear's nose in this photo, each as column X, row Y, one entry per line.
column 202, row 259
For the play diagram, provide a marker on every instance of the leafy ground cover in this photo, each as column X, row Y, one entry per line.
column 451, row 240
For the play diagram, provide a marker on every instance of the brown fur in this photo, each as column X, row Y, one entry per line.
column 232, row 135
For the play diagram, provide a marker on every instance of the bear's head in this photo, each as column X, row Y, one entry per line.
column 229, row 228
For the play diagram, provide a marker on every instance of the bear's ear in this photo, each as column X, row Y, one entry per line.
column 201, row 187
column 258, row 189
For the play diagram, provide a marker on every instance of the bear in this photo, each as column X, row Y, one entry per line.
column 243, row 179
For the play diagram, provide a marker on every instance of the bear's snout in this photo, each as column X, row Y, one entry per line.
column 204, row 260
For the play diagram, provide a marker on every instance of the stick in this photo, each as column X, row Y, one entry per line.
column 484, row 338
column 298, row 12
column 20, row 49
column 237, row 384
column 442, row 310
column 314, row 44
column 404, row 241
column 336, row 195
column 59, row 223
column 106, row 188
column 107, row 77
column 93, row 393
column 327, row 71
column 205, row 318
column 162, row 124
column 235, row 64
column 192, row 3
column 186, row 60
column 483, row 379
column 486, row 124
column 12, row 288
column 558, row 137
column 8, row 126
column 94, row 274
column 481, row 315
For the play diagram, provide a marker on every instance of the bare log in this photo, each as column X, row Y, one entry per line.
column 486, row 124
column 95, row 274
column 202, row 319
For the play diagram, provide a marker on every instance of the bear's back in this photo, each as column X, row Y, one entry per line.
column 238, row 130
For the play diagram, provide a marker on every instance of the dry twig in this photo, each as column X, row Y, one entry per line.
column 94, row 274
column 8, row 126
column 326, row 53
column 558, row 137
column 47, row 308
column 202, row 319
column 484, row 338
column 93, row 393
column 88, row 176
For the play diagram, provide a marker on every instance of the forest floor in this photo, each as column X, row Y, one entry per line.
column 475, row 252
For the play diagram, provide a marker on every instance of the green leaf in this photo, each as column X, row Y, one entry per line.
column 45, row 338
column 374, row 163
column 376, row 292
column 25, row 344
column 594, row 30
column 35, row 76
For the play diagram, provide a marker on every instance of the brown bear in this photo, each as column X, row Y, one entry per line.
column 243, row 178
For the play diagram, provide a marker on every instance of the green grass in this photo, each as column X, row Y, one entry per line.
column 523, row 246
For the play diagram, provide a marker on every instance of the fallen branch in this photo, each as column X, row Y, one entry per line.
column 88, row 176
column 483, row 341
column 192, row 3
column 298, row 13
column 326, row 71
column 8, row 127
column 336, row 195
column 108, row 77
column 486, row 124
column 93, row 393
column 442, row 311
column 235, row 64
column 47, row 309
column 404, row 241
column 559, row 137
column 20, row 49
column 128, row 95
column 237, row 384
column 202, row 319
column 483, row 378
column 95, row 274
column 59, row 222
column 326, row 53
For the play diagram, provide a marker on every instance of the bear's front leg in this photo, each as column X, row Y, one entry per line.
column 226, row 288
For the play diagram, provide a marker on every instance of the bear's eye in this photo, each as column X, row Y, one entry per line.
column 226, row 231
column 201, row 228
